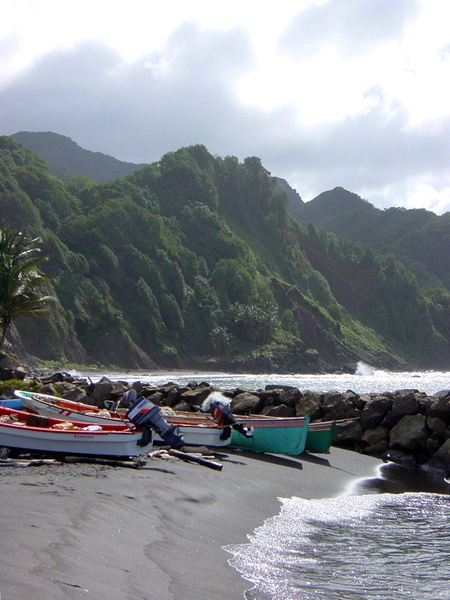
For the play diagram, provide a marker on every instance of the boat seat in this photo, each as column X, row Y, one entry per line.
column 37, row 421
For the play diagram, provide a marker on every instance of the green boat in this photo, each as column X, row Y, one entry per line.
column 320, row 436
column 277, row 435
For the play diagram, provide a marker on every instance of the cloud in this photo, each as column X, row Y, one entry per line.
column 353, row 26
column 186, row 93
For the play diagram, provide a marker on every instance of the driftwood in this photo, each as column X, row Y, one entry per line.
column 195, row 458
column 92, row 460
column 34, row 462
column 38, row 462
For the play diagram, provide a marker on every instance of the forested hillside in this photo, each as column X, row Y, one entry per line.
column 66, row 158
column 195, row 262
column 417, row 237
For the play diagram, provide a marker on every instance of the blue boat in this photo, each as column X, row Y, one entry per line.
column 14, row 403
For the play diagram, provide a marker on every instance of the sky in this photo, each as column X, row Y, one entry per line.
column 327, row 93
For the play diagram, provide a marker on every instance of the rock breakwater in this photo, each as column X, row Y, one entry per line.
column 406, row 426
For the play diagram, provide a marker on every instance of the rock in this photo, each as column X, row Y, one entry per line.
column 401, row 458
column 8, row 374
column 287, row 395
column 102, row 391
column 410, row 434
column 437, row 425
column 439, row 407
column 173, row 397
column 75, row 394
column 375, row 411
column 348, row 433
column 379, row 449
column 434, row 442
column 48, row 389
column 402, row 405
column 246, row 403
column 355, row 399
column 440, row 461
column 182, row 407
column 372, row 437
column 442, row 394
column 336, row 406
column 310, row 404
column 157, row 398
column 196, row 396
column 279, row 411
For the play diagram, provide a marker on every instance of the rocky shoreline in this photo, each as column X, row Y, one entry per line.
column 407, row 427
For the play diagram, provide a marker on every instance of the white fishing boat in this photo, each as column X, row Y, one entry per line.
column 29, row 432
column 193, row 432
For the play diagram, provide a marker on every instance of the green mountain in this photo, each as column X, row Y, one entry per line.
column 417, row 237
column 195, row 262
column 67, row 159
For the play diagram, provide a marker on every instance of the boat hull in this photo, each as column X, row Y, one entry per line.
column 118, row 441
column 273, row 435
column 320, row 437
column 193, row 432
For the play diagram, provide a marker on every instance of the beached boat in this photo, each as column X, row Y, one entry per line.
column 193, row 432
column 320, row 437
column 12, row 403
column 29, row 432
column 276, row 435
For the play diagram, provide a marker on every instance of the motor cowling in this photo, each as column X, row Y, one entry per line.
column 143, row 413
column 223, row 415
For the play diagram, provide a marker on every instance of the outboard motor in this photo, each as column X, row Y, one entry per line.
column 128, row 398
column 223, row 415
column 145, row 414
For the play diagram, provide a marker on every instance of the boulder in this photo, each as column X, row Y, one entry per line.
column 374, row 411
column 402, row 405
column 246, row 403
column 401, row 458
column 279, row 411
column 436, row 424
column 371, row 437
column 102, row 391
column 310, row 404
column 196, row 396
column 290, row 396
column 172, row 397
column 336, row 406
column 434, row 442
column 442, row 394
column 380, row 449
column 16, row 373
column 76, row 394
column 439, row 407
column 48, row 389
column 348, row 433
column 410, row 434
column 439, row 463
column 157, row 398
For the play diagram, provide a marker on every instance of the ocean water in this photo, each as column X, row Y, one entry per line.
column 357, row 547
column 365, row 380
column 387, row 538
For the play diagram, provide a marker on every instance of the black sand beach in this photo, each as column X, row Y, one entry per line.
column 108, row 533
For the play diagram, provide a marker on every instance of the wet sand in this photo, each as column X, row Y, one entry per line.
column 156, row 533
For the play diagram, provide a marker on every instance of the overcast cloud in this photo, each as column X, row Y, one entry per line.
column 338, row 96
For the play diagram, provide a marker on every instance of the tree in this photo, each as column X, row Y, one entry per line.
column 21, row 281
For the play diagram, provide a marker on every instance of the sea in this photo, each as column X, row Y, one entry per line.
column 386, row 538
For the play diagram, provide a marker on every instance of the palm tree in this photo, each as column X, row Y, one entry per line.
column 20, row 279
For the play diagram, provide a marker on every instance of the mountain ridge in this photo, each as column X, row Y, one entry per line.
column 67, row 159
column 195, row 262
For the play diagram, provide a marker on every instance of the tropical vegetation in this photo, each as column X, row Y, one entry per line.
column 194, row 261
